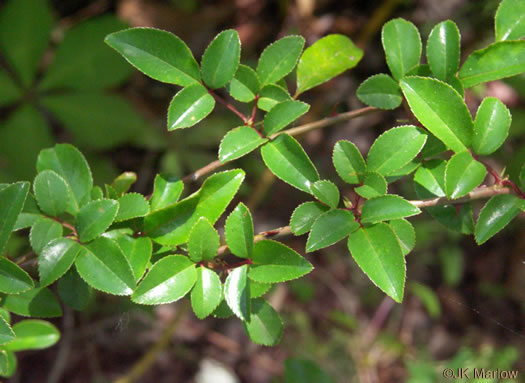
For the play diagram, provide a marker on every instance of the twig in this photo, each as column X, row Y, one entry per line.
column 279, row 232
column 229, row 106
column 479, row 193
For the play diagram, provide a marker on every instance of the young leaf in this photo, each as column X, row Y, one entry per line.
column 462, row 175
column 13, row 279
column 237, row 292
column 385, row 156
column 279, row 59
column 123, row 182
column 264, row 325
column 273, row 262
column 70, row 164
column 348, row 162
column 94, row 218
column 285, row 157
column 509, row 22
column 238, row 142
column 405, row 234
column 172, row 225
column 168, row 280
column 325, row 59
column 440, row 109
column 282, row 115
column 330, row 228
column 376, row 250
column 245, row 86
column 33, row 334
column 158, row 54
column 386, row 208
column 402, row 46
column 73, row 291
column 138, row 252
column 495, row 215
column 52, row 193
column 37, row 303
column 166, row 191
column 13, row 198
column 326, row 192
column 431, row 176
column 189, row 107
column 203, row 242
column 221, row 59
column 206, row 293
column 380, row 91
column 271, row 95
column 499, row 60
column 443, row 48
column 374, row 185
column 238, row 231
column 491, row 126
column 305, row 215
column 131, row 205
column 103, row 266
column 258, row 289
column 56, row 259
column 25, row 27
column 42, row 232
column 6, row 332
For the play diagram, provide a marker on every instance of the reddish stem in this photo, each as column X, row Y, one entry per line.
column 229, row 106
column 513, row 186
column 254, row 111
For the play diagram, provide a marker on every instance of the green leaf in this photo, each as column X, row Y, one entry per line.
column 222, row 311
column 377, row 252
column 189, row 107
column 26, row 220
column 13, row 279
column 238, row 142
column 380, row 91
column 207, row 292
column 95, row 119
column 13, row 198
column 325, row 59
column 25, row 27
column 237, row 292
column 304, row 216
column 6, row 332
column 131, row 205
column 42, row 232
column 385, row 156
column 259, row 289
column 70, row 164
column 428, row 297
column 330, row 228
column 138, row 252
column 285, row 157
column 221, row 59
column 158, row 54
column 10, row 364
column 491, row 126
column 52, row 193
column 73, row 291
column 245, row 86
column 279, row 59
column 405, row 234
column 203, row 241
column 264, row 326
column 443, row 48
column 56, row 259
column 386, row 208
column 282, row 115
column 509, row 21
column 495, row 215
column 374, row 185
column 123, row 182
column 11, row 93
column 402, row 46
column 431, row 176
column 104, row 267
column 440, row 109
column 348, row 162
column 172, row 225
column 498, row 60
column 462, row 175
column 168, row 280
column 304, row 371
column 94, row 218
column 33, row 334
column 273, row 262
column 238, row 231
column 38, row 303
column 271, row 95
column 326, row 192
column 166, row 191
column 83, row 61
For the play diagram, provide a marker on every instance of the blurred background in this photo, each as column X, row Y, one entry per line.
column 464, row 305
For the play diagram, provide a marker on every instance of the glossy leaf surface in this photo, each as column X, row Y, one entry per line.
column 33, row 334
column 37, row 303
column 42, row 232
column 238, row 231
column 282, row 115
column 237, row 292
column 206, row 293
column 131, row 205
column 238, row 142
column 402, row 46
column 462, row 175
column 509, row 21
column 495, row 215
column 94, row 218
column 491, row 126
column 279, row 59
column 56, row 259
column 13, row 279
column 203, row 242
column 326, row 192
column 330, row 228
column 386, row 208
column 138, row 252
column 443, row 48
column 374, row 185
column 348, row 162
column 166, row 191
column 245, row 86
column 189, row 106
column 13, row 198
column 221, row 59
column 380, row 91
column 305, row 215
column 264, row 326
column 405, row 234
column 52, row 193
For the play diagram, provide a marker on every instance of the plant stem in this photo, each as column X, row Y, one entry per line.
column 478, row 193
column 229, row 106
